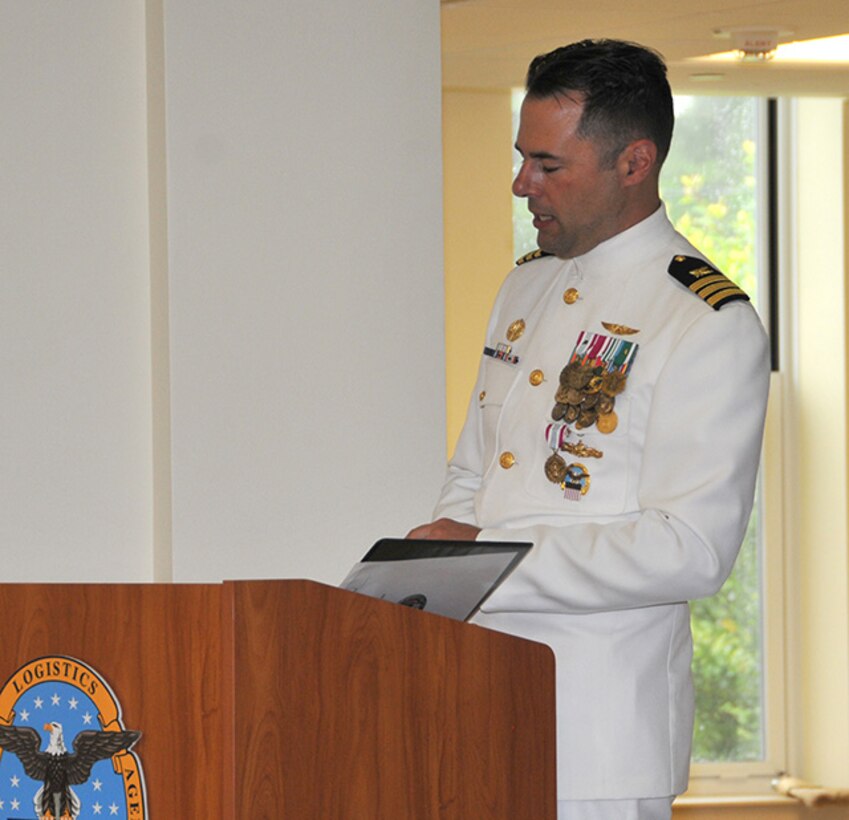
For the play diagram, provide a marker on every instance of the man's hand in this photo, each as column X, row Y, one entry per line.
column 445, row 529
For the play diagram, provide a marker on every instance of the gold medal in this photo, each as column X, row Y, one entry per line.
column 573, row 396
column 590, row 400
column 607, row 422
column 555, row 468
column 586, row 418
column 605, row 404
column 515, row 330
column 596, row 372
column 612, row 384
column 576, row 375
column 595, row 384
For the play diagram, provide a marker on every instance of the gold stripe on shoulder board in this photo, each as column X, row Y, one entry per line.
column 529, row 257
column 705, row 281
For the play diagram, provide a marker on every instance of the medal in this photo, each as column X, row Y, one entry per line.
column 576, row 375
column 595, row 384
column 589, row 401
column 595, row 373
column 586, row 418
column 612, row 384
column 555, row 468
column 607, row 423
column 576, row 482
column 605, row 404
column 568, row 395
column 572, row 413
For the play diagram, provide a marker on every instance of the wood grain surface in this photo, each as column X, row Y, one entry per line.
column 290, row 699
column 159, row 648
column 372, row 710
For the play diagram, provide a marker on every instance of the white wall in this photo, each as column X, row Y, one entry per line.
column 302, row 286
column 75, row 461
column 306, row 280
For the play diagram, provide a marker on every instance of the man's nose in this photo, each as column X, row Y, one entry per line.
column 523, row 182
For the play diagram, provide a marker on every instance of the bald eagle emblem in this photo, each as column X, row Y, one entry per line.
column 65, row 752
column 56, row 768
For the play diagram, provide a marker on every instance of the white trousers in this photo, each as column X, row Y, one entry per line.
column 659, row 808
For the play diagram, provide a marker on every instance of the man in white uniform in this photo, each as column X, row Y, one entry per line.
column 616, row 424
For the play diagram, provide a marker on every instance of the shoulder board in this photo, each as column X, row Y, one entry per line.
column 705, row 281
column 529, row 257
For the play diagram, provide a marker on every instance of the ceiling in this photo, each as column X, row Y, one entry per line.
column 489, row 43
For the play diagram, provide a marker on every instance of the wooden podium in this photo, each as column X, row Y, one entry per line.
column 291, row 699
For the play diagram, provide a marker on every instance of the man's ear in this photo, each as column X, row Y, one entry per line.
column 637, row 162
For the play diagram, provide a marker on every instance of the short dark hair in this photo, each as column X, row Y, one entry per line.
column 624, row 90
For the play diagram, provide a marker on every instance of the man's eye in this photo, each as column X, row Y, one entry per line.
column 550, row 169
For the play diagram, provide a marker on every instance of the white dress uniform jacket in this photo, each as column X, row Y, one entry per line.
column 608, row 578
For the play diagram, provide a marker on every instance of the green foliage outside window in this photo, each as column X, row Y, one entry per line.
column 709, row 186
column 727, row 664
column 708, row 182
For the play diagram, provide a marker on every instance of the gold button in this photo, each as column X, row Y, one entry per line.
column 570, row 296
column 536, row 378
column 482, row 395
column 507, row 460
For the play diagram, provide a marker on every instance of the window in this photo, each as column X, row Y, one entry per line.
column 711, row 183
column 717, row 184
